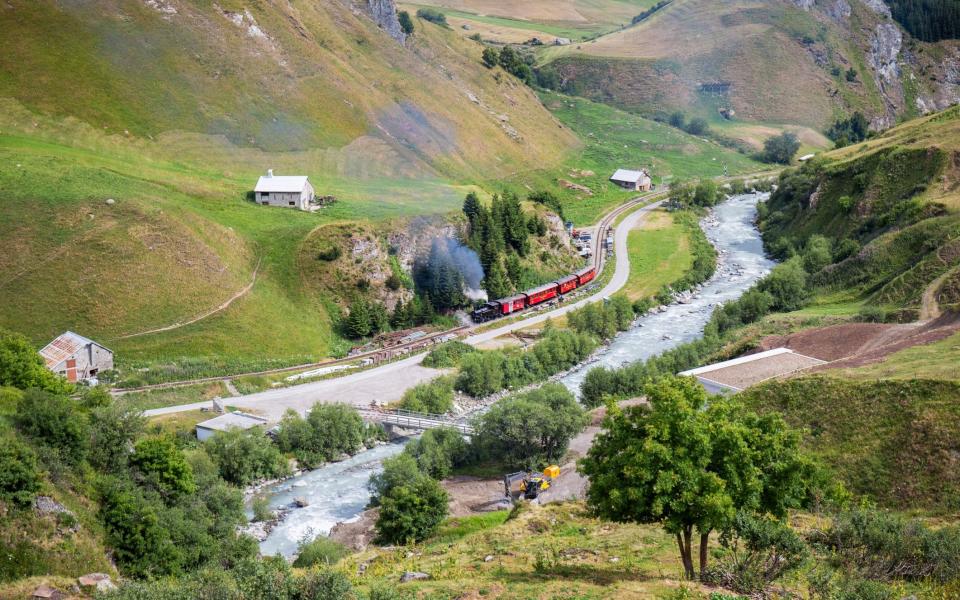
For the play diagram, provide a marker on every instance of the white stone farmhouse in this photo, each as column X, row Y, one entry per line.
column 292, row 191
column 638, row 181
column 76, row 357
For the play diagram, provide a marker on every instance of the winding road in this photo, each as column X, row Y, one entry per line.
column 387, row 383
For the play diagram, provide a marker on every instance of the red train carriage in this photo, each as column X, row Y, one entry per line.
column 542, row 294
column 585, row 276
column 512, row 304
column 567, row 284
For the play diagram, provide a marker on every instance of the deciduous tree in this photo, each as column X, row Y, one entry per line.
column 691, row 466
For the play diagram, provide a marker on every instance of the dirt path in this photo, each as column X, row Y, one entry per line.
column 243, row 292
column 929, row 308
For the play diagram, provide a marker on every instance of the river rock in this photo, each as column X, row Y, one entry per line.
column 301, row 502
column 414, row 576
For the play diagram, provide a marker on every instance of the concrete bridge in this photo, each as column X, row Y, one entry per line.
column 405, row 419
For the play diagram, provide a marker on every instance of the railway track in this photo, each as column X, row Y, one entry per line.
column 426, row 341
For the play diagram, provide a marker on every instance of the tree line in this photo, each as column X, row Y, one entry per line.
column 928, row 20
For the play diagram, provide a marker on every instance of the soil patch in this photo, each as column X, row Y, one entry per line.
column 857, row 344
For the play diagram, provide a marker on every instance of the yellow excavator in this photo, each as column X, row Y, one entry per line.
column 530, row 483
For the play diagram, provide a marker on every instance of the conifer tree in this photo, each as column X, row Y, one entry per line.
column 497, row 283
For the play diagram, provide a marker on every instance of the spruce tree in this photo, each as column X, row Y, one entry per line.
column 496, row 282
column 358, row 322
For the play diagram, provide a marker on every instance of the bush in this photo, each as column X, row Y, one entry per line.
column 531, row 429
column 261, row 510
column 434, row 397
column 55, row 422
column 411, row 512
column 328, row 431
column 757, row 552
column 438, row 451
column 397, row 470
column 321, row 551
column 433, row 15
column 330, row 253
column 780, row 148
column 19, row 476
column 447, row 355
column 113, row 431
column 406, row 23
column 141, row 546
column 787, row 285
column 243, row 457
column 882, row 546
column 817, row 253
column 873, row 314
column 163, row 466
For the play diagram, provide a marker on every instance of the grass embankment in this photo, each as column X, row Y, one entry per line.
column 616, row 139
column 554, row 551
column 892, row 441
column 659, row 253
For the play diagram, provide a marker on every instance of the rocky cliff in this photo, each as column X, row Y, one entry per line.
column 384, row 14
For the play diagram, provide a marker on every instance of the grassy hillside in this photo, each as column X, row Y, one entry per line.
column 889, row 207
column 293, row 77
column 893, row 441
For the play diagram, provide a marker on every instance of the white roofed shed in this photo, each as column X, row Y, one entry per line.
column 291, row 191
column 226, row 422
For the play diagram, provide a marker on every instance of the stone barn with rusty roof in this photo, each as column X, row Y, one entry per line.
column 76, row 357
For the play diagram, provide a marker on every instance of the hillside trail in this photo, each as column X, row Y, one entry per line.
column 223, row 306
column 929, row 308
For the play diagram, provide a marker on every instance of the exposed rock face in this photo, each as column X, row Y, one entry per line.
column 839, row 10
column 883, row 57
column 384, row 14
column 804, row 4
column 947, row 89
column 878, row 6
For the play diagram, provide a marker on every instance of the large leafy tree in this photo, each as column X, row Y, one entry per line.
column 412, row 511
column 691, row 465
column 531, row 429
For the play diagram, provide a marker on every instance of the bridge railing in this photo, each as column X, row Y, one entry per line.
column 417, row 420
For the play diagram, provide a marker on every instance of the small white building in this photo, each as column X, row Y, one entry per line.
column 76, row 357
column 638, row 181
column 226, row 422
column 732, row 376
column 292, row 191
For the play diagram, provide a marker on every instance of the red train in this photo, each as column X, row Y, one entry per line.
column 506, row 306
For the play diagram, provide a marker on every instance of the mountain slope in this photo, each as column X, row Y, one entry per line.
column 277, row 76
column 768, row 61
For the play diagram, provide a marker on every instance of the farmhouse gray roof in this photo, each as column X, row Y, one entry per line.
column 628, row 175
column 64, row 346
column 281, row 183
column 234, row 420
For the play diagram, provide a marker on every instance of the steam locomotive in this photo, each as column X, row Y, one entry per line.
column 507, row 306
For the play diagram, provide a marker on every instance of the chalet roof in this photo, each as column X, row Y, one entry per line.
column 64, row 346
column 233, row 420
column 281, row 183
column 629, row 176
